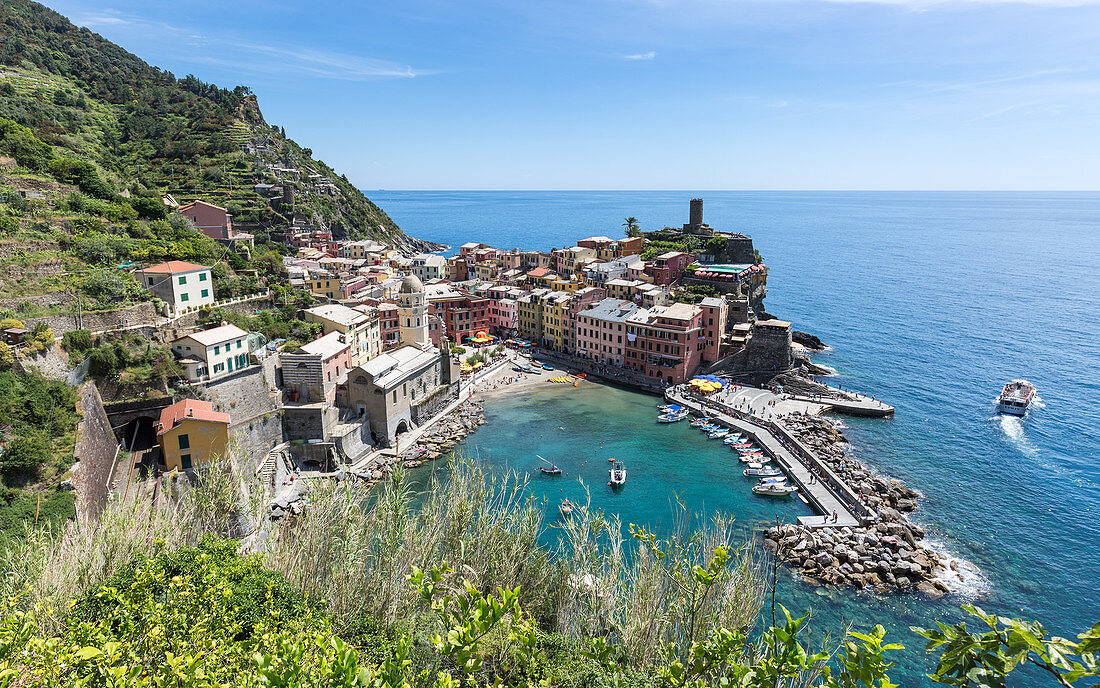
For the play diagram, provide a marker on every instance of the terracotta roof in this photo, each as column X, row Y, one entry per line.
column 173, row 266
column 192, row 204
column 539, row 272
column 191, row 409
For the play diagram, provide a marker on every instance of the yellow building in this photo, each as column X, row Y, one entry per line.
column 325, row 286
column 555, row 318
column 192, row 433
column 529, row 310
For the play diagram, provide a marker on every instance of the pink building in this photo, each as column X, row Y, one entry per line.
column 601, row 331
column 715, row 314
column 504, row 316
column 668, row 267
column 666, row 342
column 211, row 220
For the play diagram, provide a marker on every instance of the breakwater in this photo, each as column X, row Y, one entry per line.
column 861, row 536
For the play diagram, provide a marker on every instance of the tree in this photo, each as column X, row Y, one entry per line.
column 25, row 455
column 632, row 227
column 7, row 357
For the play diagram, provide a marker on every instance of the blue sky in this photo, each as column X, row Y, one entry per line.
column 653, row 94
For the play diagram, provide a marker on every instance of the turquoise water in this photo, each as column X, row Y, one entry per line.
column 929, row 300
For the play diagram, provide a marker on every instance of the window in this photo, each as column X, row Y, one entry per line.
column 185, row 442
column 185, row 461
column 183, row 297
column 202, row 276
column 205, row 293
column 217, row 349
column 239, row 343
column 183, row 279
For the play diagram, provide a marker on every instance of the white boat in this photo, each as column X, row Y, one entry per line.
column 754, row 466
column 774, row 490
column 566, row 507
column 717, row 434
column 1016, row 397
column 734, row 439
column 617, row 475
column 755, row 458
column 762, row 472
column 672, row 416
column 774, row 480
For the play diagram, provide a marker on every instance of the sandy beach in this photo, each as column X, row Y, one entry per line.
column 506, row 382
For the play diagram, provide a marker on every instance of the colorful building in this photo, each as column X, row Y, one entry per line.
column 191, row 433
column 715, row 313
column 312, row 372
column 668, row 267
column 666, row 342
column 601, row 331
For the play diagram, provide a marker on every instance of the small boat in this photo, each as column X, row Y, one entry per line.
column 710, row 427
column 566, row 507
column 774, row 490
column 617, row 475
column 762, row 472
column 698, row 422
column 672, row 416
column 773, row 480
column 755, row 458
column 547, row 366
column 755, row 466
column 750, row 450
column 734, row 439
column 549, row 468
column 1016, row 397
column 669, row 407
column 742, row 445
column 718, row 434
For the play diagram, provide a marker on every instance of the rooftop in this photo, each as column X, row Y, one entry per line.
column 337, row 313
column 174, row 266
column 389, row 368
column 613, row 310
column 215, row 335
column 326, row 346
column 190, row 409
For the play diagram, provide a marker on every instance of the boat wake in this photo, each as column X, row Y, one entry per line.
column 1013, row 429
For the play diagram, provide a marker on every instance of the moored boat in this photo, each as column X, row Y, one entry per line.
column 566, row 507
column 549, row 468
column 770, row 490
column 1016, row 397
column 734, row 439
column 717, row 434
column 762, row 472
column 755, row 458
column 702, row 420
column 672, row 416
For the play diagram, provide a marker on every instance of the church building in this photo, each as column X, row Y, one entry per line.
column 398, row 390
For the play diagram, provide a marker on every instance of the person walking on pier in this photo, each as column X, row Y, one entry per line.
column 836, row 516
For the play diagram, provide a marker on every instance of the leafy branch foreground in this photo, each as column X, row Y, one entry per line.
column 158, row 598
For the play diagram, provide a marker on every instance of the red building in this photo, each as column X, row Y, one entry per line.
column 668, row 267
column 462, row 314
column 715, row 313
column 665, row 342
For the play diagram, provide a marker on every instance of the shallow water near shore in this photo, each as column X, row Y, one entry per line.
column 931, row 301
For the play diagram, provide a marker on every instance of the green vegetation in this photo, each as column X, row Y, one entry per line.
column 91, row 114
column 454, row 592
column 632, row 227
column 128, row 358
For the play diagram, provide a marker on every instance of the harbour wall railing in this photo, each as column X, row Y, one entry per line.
column 776, row 432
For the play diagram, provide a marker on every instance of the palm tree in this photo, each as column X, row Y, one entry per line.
column 632, row 229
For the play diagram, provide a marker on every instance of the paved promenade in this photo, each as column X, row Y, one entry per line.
column 821, row 498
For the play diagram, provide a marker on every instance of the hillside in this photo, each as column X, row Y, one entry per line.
column 150, row 133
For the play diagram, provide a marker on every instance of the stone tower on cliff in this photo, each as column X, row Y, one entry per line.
column 695, row 223
column 412, row 313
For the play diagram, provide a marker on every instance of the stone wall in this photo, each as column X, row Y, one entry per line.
column 95, row 451
column 309, row 422
column 131, row 316
column 253, row 412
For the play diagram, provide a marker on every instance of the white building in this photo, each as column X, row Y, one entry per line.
column 429, row 266
column 213, row 353
column 181, row 285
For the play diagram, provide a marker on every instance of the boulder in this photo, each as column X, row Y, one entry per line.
column 930, row 590
column 889, row 515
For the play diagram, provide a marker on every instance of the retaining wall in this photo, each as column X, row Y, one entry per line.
column 96, row 450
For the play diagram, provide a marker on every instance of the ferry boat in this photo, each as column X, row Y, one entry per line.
column 1016, row 397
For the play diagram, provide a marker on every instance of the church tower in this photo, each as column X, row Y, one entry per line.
column 412, row 313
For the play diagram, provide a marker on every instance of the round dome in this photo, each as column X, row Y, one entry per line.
column 411, row 284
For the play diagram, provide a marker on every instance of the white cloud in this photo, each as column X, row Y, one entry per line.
column 93, row 20
column 641, row 56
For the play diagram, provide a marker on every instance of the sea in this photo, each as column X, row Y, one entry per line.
column 929, row 300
